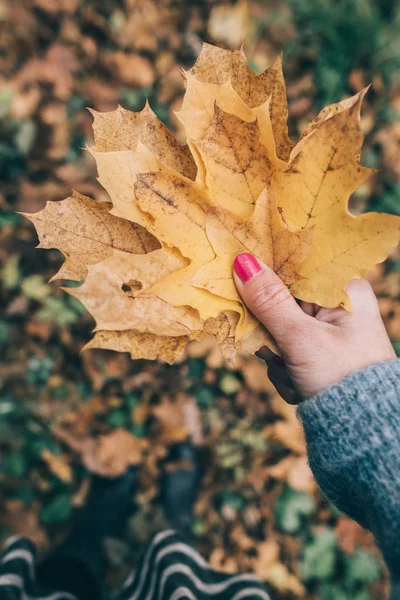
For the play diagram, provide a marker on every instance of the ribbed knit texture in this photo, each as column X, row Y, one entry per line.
column 353, row 436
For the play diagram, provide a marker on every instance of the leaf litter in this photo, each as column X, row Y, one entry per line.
column 43, row 373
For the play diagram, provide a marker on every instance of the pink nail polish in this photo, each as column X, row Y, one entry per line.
column 246, row 266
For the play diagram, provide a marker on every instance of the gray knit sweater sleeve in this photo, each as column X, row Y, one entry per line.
column 353, row 438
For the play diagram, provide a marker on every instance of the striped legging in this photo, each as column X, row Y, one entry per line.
column 169, row 569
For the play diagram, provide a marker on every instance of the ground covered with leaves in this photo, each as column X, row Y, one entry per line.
column 65, row 415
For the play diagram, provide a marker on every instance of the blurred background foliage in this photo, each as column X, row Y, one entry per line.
column 63, row 414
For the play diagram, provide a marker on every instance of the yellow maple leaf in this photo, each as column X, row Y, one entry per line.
column 211, row 237
column 158, row 266
column 264, row 234
column 314, row 191
column 217, row 66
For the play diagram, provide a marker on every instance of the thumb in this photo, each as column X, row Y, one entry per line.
column 268, row 298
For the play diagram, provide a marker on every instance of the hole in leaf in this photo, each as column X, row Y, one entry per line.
column 132, row 287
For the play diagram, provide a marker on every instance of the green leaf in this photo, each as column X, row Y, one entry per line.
column 75, row 104
column 388, row 202
column 131, row 401
column 292, row 508
column 233, row 499
column 57, row 311
column 197, row 367
column 139, row 430
column 117, row 418
column 6, row 96
column 7, row 219
column 11, row 273
column 134, row 99
column 40, row 443
column 39, row 370
column 204, row 397
column 25, row 136
column 35, row 288
column 331, row 591
column 230, row 455
column 58, row 510
column 229, row 384
column 319, row 556
column 4, row 333
column 361, row 567
column 199, row 527
column 8, row 406
column 25, row 494
column 15, row 464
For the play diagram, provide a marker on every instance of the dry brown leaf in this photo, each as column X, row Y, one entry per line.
column 112, row 454
column 122, row 129
column 288, row 430
column 351, row 535
column 23, row 519
column 290, row 434
column 295, row 471
column 133, row 69
column 238, row 186
column 171, row 418
column 267, row 555
column 390, row 311
column 229, row 23
column 86, row 234
column 255, row 375
column 284, row 581
column 140, row 345
column 114, row 293
column 58, row 464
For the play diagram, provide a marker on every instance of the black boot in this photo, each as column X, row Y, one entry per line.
column 179, row 485
column 79, row 565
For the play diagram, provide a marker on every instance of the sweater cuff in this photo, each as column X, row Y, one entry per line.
column 358, row 413
column 353, row 438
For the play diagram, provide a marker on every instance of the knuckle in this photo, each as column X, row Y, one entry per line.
column 268, row 296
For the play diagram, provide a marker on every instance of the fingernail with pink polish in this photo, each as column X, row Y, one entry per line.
column 246, row 266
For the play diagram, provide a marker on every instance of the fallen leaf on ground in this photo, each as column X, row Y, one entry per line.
column 58, row 464
column 114, row 453
column 284, row 581
column 171, row 419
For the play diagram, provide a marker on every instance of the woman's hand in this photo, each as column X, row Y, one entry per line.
column 317, row 346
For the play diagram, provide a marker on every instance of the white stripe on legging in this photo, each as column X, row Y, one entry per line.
column 178, row 547
column 206, row 588
column 184, row 592
column 186, row 550
column 18, row 582
column 129, row 580
column 24, row 555
column 158, row 538
column 253, row 591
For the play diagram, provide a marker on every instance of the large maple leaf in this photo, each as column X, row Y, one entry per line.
column 156, row 263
